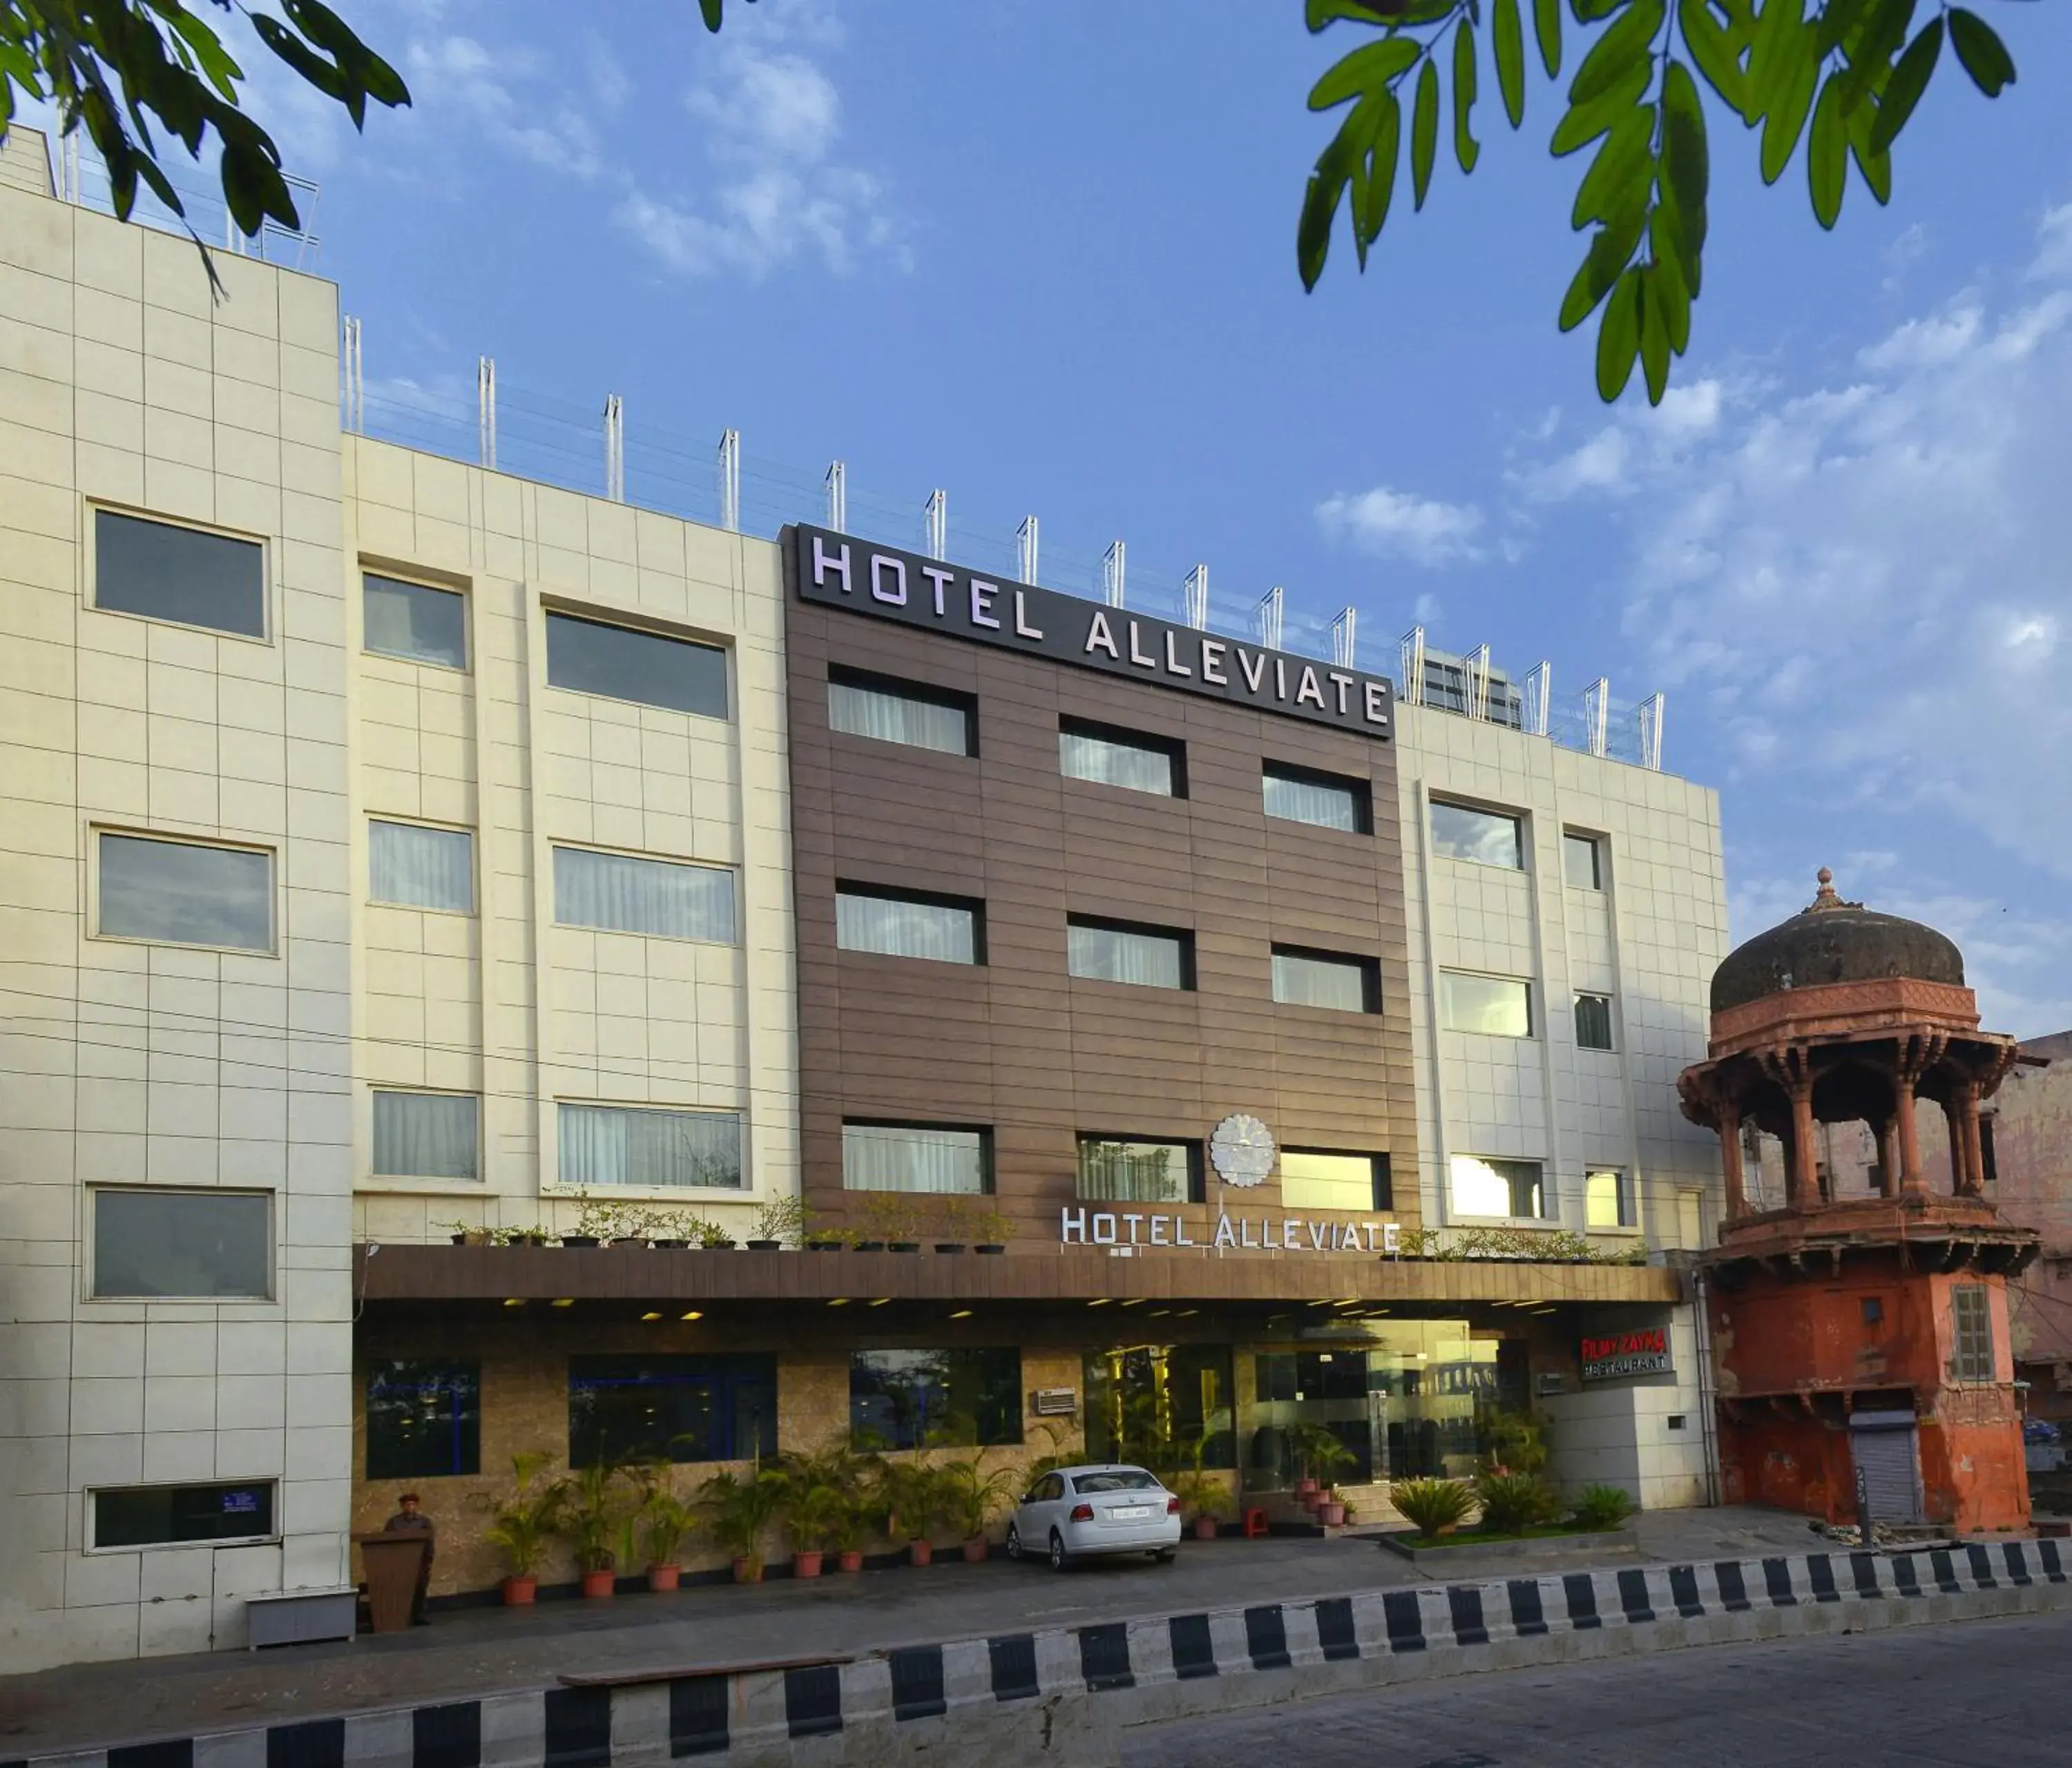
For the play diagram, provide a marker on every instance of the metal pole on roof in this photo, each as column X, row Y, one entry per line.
column 1344, row 637
column 1266, row 616
column 1597, row 712
column 1111, row 574
column 1539, row 697
column 1410, row 652
column 838, row 497
column 1650, row 714
column 356, row 383
column 485, row 411
column 936, row 518
column 1195, row 599
column 730, row 480
column 1024, row 538
column 614, row 448
column 1475, row 666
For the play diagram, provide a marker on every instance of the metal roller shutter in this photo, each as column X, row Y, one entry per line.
column 1887, row 1451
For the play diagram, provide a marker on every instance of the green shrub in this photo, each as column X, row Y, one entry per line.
column 1513, row 1503
column 1432, row 1504
column 1603, row 1506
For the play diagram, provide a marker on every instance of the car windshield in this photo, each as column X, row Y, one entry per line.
column 1114, row 1479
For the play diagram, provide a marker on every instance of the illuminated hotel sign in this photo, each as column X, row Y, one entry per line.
column 838, row 570
column 1261, row 1233
column 1621, row 1354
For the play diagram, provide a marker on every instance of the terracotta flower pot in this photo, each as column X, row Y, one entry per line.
column 976, row 1550
column 1331, row 1515
column 664, row 1577
column 806, row 1563
column 518, row 1593
column 1207, row 1528
column 1309, row 1501
column 850, row 1561
column 747, row 1568
column 921, row 1552
column 598, row 1585
column 1305, row 1488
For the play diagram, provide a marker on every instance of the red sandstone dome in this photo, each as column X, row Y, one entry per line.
column 1832, row 941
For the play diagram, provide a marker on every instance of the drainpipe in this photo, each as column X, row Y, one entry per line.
column 1708, row 1422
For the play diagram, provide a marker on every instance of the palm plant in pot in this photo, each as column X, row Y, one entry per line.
column 595, row 1510
column 520, row 1526
column 812, row 1511
column 663, row 1520
column 1204, row 1497
column 909, row 1496
column 970, row 1495
column 742, row 1511
column 1323, row 1455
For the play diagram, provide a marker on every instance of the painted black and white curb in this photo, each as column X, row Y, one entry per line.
column 1065, row 1696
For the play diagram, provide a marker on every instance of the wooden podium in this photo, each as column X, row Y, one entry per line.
column 392, row 1563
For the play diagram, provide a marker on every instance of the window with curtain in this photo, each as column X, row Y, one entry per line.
column 1593, row 1022
column 427, row 1135
column 413, row 622
column 903, row 927
column 1325, row 979
column 1112, row 1171
column 915, row 1157
column 618, row 894
column 1496, row 1005
column 1488, row 837
column 413, row 866
column 650, row 1147
column 1295, row 795
column 1310, row 1179
column 901, row 712
column 1496, row 1187
column 166, row 572
column 1580, row 863
column 185, row 893
column 1607, row 1199
column 1115, row 952
column 1119, row 758
column 626, row 663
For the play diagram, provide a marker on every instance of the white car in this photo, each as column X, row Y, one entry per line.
column 1081, row 1512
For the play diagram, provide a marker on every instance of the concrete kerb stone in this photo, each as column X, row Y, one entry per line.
column 1066, row 1695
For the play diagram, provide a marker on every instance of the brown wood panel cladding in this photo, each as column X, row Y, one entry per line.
column 1017, row 1043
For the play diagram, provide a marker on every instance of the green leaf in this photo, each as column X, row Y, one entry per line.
column 1618, row 336
column 1672, row 294
column 1424, row 134
column 1373, row 181
column 1873, row 162
column 1466, row 149
column 1785, row 114
column 1684, row 171
column 1611, row 248
column 1910, row 78
column 1588, row 12
column 1320, row 206
column 1617, row 51
column 1870, row 51
column 1827, row 155
column 1318, row 13
column 1717, row 57
column 222, row 71
column 1985, row 56
column 1508, row 36
column 1837, row 19
column 1546, row 29
column 1582, row 124
column 711, row 10
column 1369, row 66
column 1654, row 336
column 1622, row 170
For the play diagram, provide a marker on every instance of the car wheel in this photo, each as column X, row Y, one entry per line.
column 1059, row 1558
column 1014, row 1542
column 1164, row 1556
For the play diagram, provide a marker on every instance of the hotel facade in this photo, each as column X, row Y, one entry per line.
column 410, row 866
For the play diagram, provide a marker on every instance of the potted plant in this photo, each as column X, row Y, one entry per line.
column 466, row 1234
column 665, row 1519
column 1320, row 1454
column 742, row 1509
column 714, row 1238
column 811, row 1512
column 591, row 1519
column 893, row 1218
column 1331, row 1511
column 778, row 1219
column 992, row 1229
column 1205, row 1497
column 909, row 1496
column 969, row 1496
column 521, row 1525
column 845, row 1532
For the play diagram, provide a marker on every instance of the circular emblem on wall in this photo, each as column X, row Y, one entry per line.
column 1242, row 1148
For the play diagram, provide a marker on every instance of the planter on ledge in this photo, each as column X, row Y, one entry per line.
column 903, row 1246
column 766, row 1245
column 578, row 1240
column 921, row 1552
column 1207, row 1528
column 990, row 1247
column 747, row 1568
column 599, row 1585
column 976, row 1550
column 850, row 1560
column 520, row 1593
column 823, row 1246
column 949, row 1246
column 806, row 1563
column 664, row 1577
column 870, row 1246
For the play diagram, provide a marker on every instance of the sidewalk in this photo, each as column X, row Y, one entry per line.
column 477, row 1652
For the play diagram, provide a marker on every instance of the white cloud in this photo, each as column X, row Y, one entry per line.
column 501, row 92
column 1638, row 441
column 1402, row 524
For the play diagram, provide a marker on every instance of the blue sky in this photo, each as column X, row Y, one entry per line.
column 1043, row 258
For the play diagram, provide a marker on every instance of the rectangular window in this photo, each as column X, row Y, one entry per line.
column 180, row 1516
column 901, row 712
column 1989, row 1166
column 1488, row 837
column 1971, row 1330
column 1116, row 952
column 916, row 1157
column 427, row 1135
column 1607, row 1199
column 180, row 574
column 413, row 866
column 618, row 894
column 1311, row 1179
column 624, row 662
column 1325, row 979
column 185, row 893
column 907, row 926
column 935, row 1399
column 424, row 1419
column 411, row 621
column 207, row 1246
column 1499, row 1006
column 627, row 1144
column 1296, row 795
column 1120, row 758
column 1126, row 1172
column 1580, row 862
column 1593, row 1022
column 1496, row 1187
column 1144, row 1401
column 674, row 1408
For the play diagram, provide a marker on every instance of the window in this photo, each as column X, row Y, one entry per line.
column 622, row 663
column 1323, row 979
column 1116, row 952
column 424, row 1419
column 175, row 1515
column 1971, row 1332
column 188, row 1245
column 1125, row 1172
column 413, row 866
column 1607, row 1199
column 184, row 893
column 1593, row 1022
column 916, row 1157
column 935, row 1399
column 1496, row 1187
column 1145, row 1400
column 908, row 927
column 1120, row 758
column 678, row 1408
column 1989, row 1166
column 1873, row 1311
column 410, row 621
column 1295, row 795
column 1310, row 1179
column 427, row 1135
column 180, row 574
column 901, row 712
column 1580, row 862
column 617, row 894
column 625, row 1145
column 1500, row 1006
column 1489, row 837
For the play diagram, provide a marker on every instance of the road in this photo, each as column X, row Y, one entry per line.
column 1980, row 1691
